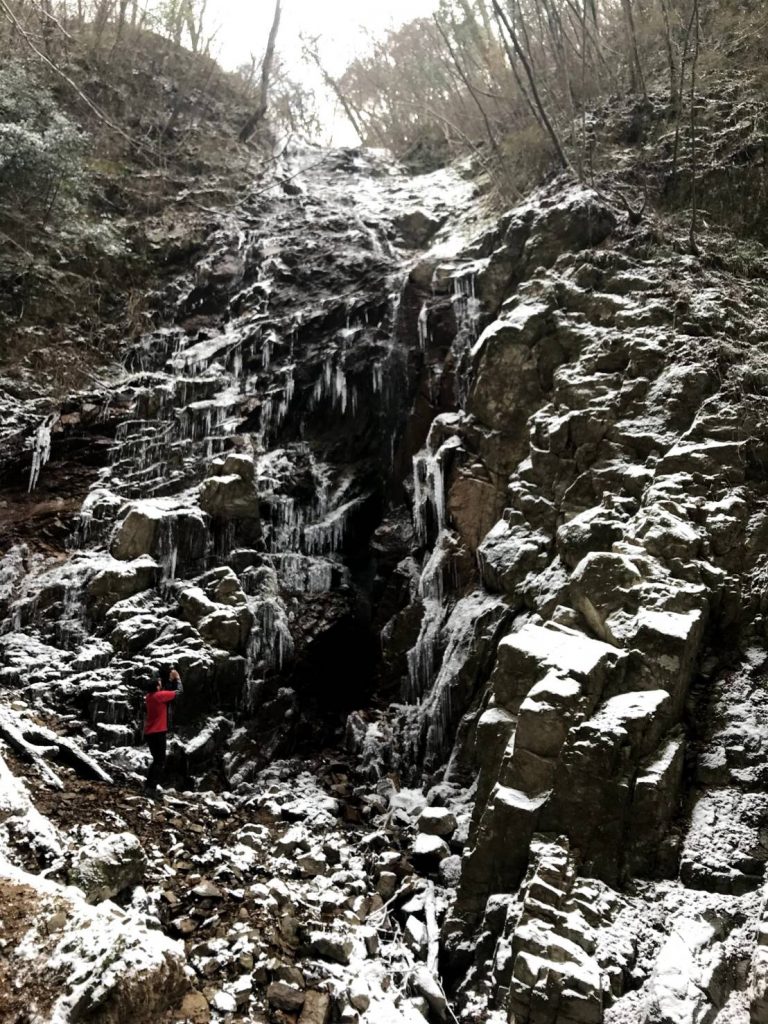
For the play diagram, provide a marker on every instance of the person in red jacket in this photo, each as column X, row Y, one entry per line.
column 166, row 688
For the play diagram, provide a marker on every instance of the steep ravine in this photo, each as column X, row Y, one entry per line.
column 456, row 532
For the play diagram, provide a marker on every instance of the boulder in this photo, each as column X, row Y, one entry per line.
column 331, row 946
column 681, row 985
column 135, row 534
column 596, row 529
column 386, row 886
column 130, row 636
column 107, row 864
column 449, row 871
column 283, row 996
column 602, row 584
column 312, row 864
column 428, row 850
column 426, row 985
column 416, row 228
column 509, row 552
column 227, row 629
column 195, row 1008
column 224, row 1002
column 507, row 386
column 114, row 581
column 176, row 537
column 195, row 604
column 437, row 821
column 316, row 1009
column 415, row 937
column 359, row 994
column 526, row 656
column 230, row 496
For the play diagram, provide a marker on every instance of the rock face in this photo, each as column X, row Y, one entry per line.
column 523, row 505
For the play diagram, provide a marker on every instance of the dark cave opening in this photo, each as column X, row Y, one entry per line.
column 335, row 676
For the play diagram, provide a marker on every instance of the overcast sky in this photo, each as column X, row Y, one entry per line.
column 341, row 24
column 343, row 28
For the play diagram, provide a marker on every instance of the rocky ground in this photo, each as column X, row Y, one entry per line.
column 455, row 527
column 294, row 901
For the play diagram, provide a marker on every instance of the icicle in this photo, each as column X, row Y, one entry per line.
column 428, row 491
column 340, row 388
column 41, row 450
column 327, row 536
column 423, row 328
column 422, row 656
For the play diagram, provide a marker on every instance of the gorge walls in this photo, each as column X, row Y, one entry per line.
column 474, row 508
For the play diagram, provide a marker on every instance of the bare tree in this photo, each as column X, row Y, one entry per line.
column 637, row 78
column 681, row 82
column 694, row 155
column 470, row 89
column 674, row 98
column 259, row 113
column 525, row 61
column 310, row 51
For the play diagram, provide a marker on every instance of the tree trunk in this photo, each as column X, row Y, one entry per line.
column 637, row 79
column 468, row 84
column 100, row 22
column 352, row 115
column 122, row 8
column 683, row 59
column 674, row 98
column 550, row 129
column 694, row 155
column 259, row 113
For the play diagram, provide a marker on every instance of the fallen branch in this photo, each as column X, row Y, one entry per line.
column 69, row 753
column 33, row 743
column 433, row 934
column 28, row 752
column 406, row 889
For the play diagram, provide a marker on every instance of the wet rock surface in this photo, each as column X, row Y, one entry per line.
column 459, row 552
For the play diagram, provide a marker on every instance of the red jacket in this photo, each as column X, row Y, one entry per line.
column 157, row 710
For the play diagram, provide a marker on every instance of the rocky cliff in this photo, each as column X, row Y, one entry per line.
column 455, row 528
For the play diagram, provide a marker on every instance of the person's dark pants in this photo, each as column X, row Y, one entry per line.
column 156, row 742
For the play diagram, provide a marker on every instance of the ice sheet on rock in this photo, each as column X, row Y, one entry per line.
column 197, row 358
column 13, row 567
column 28, row 660
column 303, row 574
column 428, row 493
column 443, row 699
column 328, row 535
